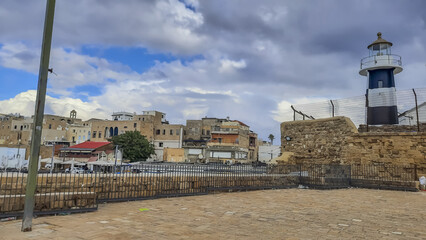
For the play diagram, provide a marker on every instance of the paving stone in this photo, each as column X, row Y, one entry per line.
column 272, row 214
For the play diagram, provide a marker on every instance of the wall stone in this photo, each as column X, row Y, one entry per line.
column 392, row 128
column 385, row 147
column 337, row 141
column 318, row 141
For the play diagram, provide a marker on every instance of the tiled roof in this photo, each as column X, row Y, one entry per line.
column 90, row 145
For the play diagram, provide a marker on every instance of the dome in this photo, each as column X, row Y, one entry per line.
column 379, row 40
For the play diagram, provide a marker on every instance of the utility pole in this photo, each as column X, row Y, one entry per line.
column 38, row 118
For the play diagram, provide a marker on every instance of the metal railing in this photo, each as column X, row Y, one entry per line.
column 387, row 59
column 70, row 192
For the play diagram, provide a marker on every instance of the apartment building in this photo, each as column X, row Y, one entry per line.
column 219, row 140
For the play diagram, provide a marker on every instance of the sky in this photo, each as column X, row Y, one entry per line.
column 244, row 59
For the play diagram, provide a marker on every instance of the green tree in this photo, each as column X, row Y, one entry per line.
column 271, row 137
column 135, row 147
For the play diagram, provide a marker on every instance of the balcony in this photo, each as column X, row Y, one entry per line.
column 234, row 131
column 381, row 61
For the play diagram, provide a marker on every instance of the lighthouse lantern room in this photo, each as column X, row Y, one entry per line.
column 380, row 67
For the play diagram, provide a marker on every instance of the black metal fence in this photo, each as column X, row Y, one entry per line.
column 79, row 192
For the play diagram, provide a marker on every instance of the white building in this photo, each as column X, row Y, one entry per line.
column 268, row 152
column 409, row 117
column 122, row 116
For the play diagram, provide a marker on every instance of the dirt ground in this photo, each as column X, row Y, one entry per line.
column 269, row 214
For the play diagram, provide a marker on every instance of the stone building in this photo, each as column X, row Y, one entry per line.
column 151, row 124
column 18, row 129
column 174, row 155
column 102, row 130
column 78, row 132
column 219, row 140
column 167, row 136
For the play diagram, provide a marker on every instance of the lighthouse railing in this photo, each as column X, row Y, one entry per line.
column 380, row 60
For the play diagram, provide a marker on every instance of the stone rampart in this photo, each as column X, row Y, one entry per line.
column 319, row 141
column 337, row 141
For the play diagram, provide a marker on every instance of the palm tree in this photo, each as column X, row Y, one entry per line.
column 271, row 137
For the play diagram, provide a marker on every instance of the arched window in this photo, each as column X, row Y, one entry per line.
column 115, row 131
column 106, row 133
column 88, row 136
column 111, row 132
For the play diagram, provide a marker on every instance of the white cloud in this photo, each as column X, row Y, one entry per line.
column 227, row 66
column 163, row 25
column 23, row 103
column 195, row 112
column 284, row 112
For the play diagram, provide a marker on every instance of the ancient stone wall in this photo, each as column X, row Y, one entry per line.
column 392, row 128
column 395, row 148
column 336, row 141
column 318, row 141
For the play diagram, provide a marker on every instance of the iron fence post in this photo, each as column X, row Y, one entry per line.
column 417, row 111
column 294, row 113
column 332, row 108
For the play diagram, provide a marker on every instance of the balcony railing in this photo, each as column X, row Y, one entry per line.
column 387, row 59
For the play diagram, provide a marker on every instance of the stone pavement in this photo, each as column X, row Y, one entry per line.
column 269, row 214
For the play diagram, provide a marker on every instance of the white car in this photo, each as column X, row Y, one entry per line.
column 74, row 170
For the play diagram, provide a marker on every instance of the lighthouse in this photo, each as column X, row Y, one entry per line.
column 379, row 68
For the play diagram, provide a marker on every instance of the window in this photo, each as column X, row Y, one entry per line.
column 94, row 134
column 158, row 132
column 125, row 126
column 178, row 132
column 202, row 132
column 164, row 131
column 50, row 126
column 16, row 127
column 171, row 131
column 160, row 144
column 208, row 132
column 134, row 125
column 100, row 134
column 73, row 130
column 73, row 139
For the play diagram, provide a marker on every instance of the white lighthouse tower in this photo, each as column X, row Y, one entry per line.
column 380, row 67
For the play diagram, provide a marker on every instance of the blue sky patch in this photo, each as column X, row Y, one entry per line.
column 138, row 59
column 15, row 81
column 85, row 91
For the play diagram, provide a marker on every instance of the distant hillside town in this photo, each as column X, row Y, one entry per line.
column 203, row 141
